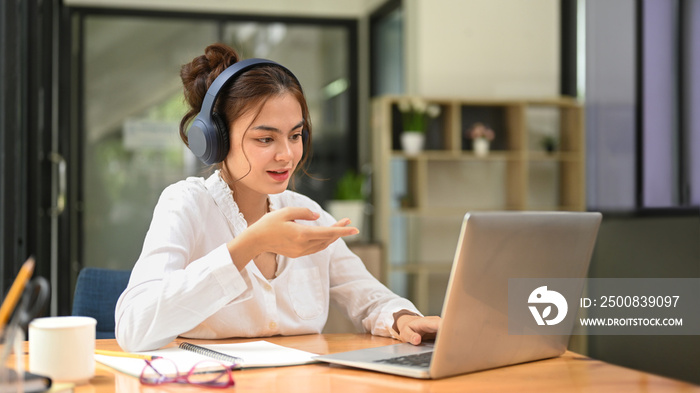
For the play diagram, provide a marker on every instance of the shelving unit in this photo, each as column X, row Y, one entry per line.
column 420, row 200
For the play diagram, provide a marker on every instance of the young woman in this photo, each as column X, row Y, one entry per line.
column 237, row 254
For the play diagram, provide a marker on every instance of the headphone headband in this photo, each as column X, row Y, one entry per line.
column 208, row 136
column 217, row 86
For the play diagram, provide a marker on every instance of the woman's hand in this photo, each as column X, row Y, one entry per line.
column 413, row 329
column 279, row 233
column 284, row 236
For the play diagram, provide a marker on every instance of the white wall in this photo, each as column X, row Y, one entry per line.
column 482, row 48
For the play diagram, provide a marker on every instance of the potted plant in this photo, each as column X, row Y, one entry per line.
column 481, row 136
column 415, row 117
column 549, row 143
column 349, row 201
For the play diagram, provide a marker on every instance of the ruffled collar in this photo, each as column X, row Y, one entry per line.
column 223, row 196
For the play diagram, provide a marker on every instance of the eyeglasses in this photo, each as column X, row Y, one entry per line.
column 205, row 373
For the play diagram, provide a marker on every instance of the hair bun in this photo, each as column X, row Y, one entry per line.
column 199, row 74
column 219, row 57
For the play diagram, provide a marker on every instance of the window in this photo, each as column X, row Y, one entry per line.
column 641, row 81
column 387, row 49
column 132, row 103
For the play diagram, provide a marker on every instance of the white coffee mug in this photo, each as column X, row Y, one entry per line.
column 63, row 348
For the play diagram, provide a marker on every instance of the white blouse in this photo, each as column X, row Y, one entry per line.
column 185, row 283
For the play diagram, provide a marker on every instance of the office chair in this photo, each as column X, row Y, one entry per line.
column 96, row 295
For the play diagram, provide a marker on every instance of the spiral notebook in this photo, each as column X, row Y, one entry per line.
column 252, row 354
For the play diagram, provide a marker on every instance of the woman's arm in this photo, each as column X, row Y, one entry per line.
column 183, row 276
column 368, row 303
column 168, row 295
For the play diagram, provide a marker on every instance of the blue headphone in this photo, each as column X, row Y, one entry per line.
column 208, row 135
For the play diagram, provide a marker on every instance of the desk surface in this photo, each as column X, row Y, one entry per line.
column 570, row 372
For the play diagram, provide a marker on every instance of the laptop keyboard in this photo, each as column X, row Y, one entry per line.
column 417, row 360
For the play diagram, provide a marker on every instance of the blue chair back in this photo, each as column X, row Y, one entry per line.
column 96, row 293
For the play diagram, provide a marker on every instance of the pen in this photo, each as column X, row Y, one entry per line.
column 15, row 292
column 126, row 354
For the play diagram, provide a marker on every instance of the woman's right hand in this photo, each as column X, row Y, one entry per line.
column 280, row 233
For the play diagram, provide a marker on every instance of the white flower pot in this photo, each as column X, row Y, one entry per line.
column 412, row 142
column 481, row 147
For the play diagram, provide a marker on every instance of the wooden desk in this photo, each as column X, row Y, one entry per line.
column 570, row 372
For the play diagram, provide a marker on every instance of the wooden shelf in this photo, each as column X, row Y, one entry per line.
column 419, row 200
column 424, row 268
column 438, row 155
column 559, row 156
column 446, row 211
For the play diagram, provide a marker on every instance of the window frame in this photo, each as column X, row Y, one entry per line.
column 569, row 73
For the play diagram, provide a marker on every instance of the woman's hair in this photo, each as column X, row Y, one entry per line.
column 249, row 91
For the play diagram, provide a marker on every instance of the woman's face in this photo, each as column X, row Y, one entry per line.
column 266, row 146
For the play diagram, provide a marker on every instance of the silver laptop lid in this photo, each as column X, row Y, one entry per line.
column 494, row 247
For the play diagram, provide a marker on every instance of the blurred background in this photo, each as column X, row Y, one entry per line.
column 91, row 100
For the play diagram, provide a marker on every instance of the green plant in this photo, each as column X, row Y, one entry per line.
column 350, row 186
column 416, row 113
column 549, row 143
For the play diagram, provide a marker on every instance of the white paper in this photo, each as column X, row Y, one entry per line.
column 254, row 354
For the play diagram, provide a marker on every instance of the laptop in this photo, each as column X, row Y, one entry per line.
column 493, row 247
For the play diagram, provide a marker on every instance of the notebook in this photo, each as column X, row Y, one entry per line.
column 493, row 247
column 253, row 354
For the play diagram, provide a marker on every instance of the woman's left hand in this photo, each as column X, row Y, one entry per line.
column 413, row 329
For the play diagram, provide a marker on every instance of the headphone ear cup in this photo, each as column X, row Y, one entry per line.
column 222, row 137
